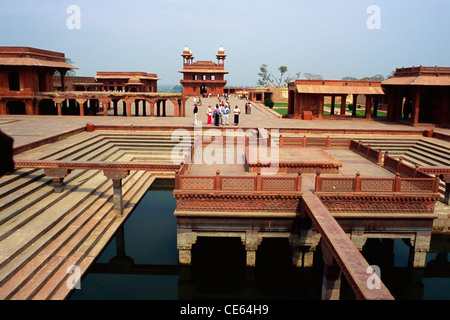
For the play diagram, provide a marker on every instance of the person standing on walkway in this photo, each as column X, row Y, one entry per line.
column 236, row 115
column 226, row 111
column 209, row 114
column 221, row 114
column 216, row 116
column 195, row 114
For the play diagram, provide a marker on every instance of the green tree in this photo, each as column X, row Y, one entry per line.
column 311, row 76
column 265, row 78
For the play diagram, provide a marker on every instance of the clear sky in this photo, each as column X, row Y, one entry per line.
column 326, row 37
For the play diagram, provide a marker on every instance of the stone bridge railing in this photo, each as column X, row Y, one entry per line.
column 58, row 170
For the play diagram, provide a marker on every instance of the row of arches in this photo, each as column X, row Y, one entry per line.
column 162, row 107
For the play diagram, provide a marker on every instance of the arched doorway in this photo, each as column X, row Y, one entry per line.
column 203, row 89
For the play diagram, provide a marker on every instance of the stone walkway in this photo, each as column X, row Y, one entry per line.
column 28, row 129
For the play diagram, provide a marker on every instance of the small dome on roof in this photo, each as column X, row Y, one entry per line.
column 135, row 80
column 187, row 50
column 221, row 50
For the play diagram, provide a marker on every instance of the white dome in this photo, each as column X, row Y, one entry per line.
column 186, row 49
column 221, row 50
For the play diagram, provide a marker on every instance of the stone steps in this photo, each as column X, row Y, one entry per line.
column 86, row 254
column 74, row 235
column 24, row 266
column 34, row 193
column 43, row 232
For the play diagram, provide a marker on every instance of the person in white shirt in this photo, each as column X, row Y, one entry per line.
column 236, row 112
column 226, row 111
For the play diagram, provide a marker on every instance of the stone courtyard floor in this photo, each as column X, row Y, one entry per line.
column 27, row 129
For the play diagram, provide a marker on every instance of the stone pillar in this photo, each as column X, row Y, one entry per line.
column 117, row 176
column 252, row 241
column 115, row 102
column 175, row 107
column 128, row 106
column 164, row 108
column 81, row 104
column 419, row 248
column 136, row 108
column 158, row 108
column 368, row 106
column 63, row 80
column 331, row 284
column 185, row 240
column 29, row 107
column 343, row 105
column 303, row 248
column 375, row 106
column 355, row 103
column 152, row 108
column 105, row 107
column 415, row 108
column 58, row 106
column 3, row 108
column 57, row 175
column 144, row 107
column 333, row 102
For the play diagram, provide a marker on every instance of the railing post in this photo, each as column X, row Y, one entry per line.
column 359, row 144
column 298, row 185
column 281, row 141
column 380, row 156
column 397, row 183
column 399, row 164
column 386, row 156
column 357, row 185
column 416, row 169
column 177, row 179
column 318, row 182
column 258, row 181
column 304, row 142
column 218, row 181
column 437, row 181
column 328, row 142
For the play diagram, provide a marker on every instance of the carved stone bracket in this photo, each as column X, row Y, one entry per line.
column 57, row 175
column 251, row 240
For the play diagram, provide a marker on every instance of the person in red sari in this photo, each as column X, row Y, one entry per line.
column 209, row 114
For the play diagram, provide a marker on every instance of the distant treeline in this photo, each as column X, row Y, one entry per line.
column 170, row 88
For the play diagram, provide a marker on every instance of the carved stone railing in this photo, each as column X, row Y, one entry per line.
column 305, row 142
column 378, row 195
column 367, row 151
column 358, row 184
column 256, row 183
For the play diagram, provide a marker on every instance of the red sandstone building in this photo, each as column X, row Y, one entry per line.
column 28, row 85
column 419, row 95
column 128, row 81
column 203, row 77
column 24, row 72
column 306, row 97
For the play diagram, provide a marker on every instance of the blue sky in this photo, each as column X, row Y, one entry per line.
column 326, row 37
